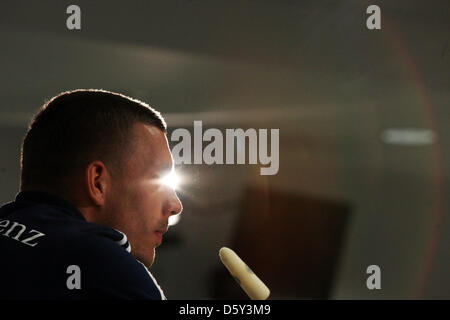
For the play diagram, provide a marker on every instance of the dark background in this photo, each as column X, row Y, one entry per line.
column 344, row 197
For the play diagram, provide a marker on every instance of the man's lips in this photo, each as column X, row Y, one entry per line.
column 159, row 233
column 162, row 230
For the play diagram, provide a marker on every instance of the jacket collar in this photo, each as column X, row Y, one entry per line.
column 41, row 197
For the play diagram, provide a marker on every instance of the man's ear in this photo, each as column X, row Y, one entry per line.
column 96, row 179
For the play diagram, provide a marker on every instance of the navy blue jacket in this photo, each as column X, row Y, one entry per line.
column 46, row 246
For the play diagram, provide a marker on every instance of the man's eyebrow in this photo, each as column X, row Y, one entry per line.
column 160, row 169
column 165, row 167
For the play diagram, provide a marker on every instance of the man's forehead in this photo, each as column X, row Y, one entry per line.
column 153, row 147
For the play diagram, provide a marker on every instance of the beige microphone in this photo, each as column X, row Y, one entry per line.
column 249, row 282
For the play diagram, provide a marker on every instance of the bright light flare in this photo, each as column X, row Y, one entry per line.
column 171, row 180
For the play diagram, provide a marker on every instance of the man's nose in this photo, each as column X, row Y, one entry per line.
column 174, row 206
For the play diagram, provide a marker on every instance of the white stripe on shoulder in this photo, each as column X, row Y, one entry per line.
column 124, row 241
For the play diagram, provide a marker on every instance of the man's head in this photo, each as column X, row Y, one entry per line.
column 106, row 153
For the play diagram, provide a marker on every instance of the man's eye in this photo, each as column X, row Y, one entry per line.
column 170, row 179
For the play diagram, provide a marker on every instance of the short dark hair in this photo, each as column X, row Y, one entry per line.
column 75, row 128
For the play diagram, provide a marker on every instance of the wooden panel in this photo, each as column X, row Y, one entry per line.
column 292, row 242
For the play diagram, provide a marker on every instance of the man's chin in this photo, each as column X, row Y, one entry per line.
column 146, row 258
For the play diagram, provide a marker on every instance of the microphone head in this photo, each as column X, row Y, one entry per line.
column 247, row 279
